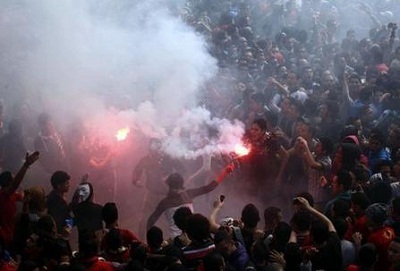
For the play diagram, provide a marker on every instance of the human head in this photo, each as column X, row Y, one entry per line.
column 109, row 213
column 272, row 216
column 214, row 262
column 359, row 202
column 181, row 216
column 85, row 191
column 258, row 129
column 36, row 199
column 250, row 216
column 154, row 237
column 113, row 239
column 224, row 243
column 60, row 181
column 376, row 215
column 376, row 141
column 175, row 181
column 368, row 255
column 198, row 227
column 324, row 146
column 342, row 182
column 301, row 221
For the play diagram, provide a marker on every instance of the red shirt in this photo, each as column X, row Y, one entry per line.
column 381, row 238
column 7, row 214
column 127, row 238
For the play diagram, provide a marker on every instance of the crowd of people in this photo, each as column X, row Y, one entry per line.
column 323, row 131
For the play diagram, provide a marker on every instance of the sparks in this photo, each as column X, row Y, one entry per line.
column 122, row 134
column 241, row 150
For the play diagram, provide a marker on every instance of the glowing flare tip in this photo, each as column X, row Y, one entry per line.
column 122, row 134
column 241, row 150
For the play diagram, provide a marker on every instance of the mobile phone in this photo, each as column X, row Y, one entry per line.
column 69, row 222
column 221, row 198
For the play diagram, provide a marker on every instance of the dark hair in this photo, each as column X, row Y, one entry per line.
column 326, row 144
column 109, row 213
column 250, row 215
column 154, row 237
column 138, row 252
column 344, row 178
column 258, row 97
column 396, row 205
column 175, row 181
column 59, row 178
column 213, row 261
column 306, row 196
column 367, row 255
column 271, row 213
column 260, row 252
column 181, row 216
column 198, row 227
column 360, row 199
column 262, row 123
column 302, row 220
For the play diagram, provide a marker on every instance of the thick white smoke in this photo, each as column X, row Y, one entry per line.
column 112, row 64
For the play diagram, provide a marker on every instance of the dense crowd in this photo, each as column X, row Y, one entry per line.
column 323, row 131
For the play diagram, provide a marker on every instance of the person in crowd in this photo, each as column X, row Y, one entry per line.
column 56, row 202
column 325, row 252
column 9, row 197
column 179, row 197
column 234, row 252
column 87, row 213
column 180, row 217
column 341, row 185
column 201, row 244
column 110, row 215
column 50, row 145
column 380, row 234
column 154, row 167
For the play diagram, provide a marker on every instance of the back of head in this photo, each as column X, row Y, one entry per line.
column 109, row 213
column 367, row 255
column 272, row 213
column 377, row 214
column 59, row 178
column 250, row 216
column 181, row 216
column 36, row 199
column 198, row 227
column 214, row 262
column 154, row 237
column 301, row 221
column 341, row 208
column 360, row 199
column 175, row 181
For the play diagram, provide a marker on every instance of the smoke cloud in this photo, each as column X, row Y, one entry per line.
column 112, row 64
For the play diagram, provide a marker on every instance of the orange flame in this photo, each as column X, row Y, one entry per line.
column 241, row 150
column 122, row 134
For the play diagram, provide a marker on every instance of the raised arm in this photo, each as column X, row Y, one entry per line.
column 29, row 160
column 306, row 206
column 217, row 206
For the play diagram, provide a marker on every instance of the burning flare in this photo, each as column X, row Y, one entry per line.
column 241, row 150
column 122, row 134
